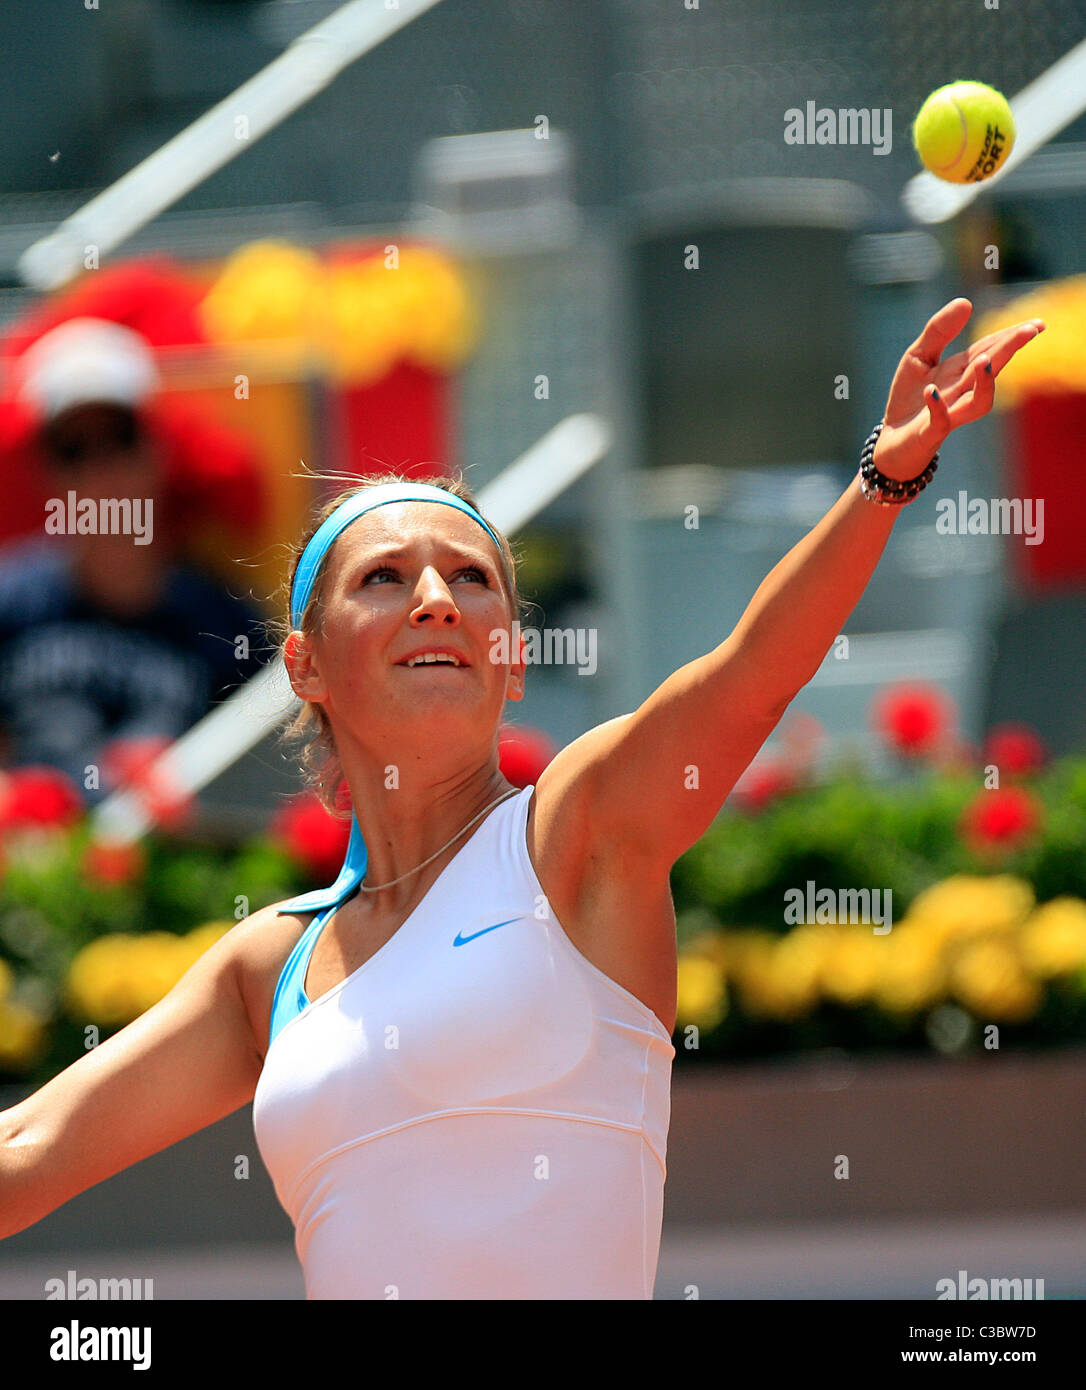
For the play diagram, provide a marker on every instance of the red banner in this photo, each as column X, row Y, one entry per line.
column 1047, row 439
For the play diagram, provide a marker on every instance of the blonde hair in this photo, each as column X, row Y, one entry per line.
column 309, row 735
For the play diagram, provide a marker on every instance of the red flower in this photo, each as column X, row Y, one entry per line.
column 763, row 784
column 523, row 754
column 313, row 836
column 113, row 863
column 1000, row 819
column 913, row 718
column 1014, row 749
column 40, row 796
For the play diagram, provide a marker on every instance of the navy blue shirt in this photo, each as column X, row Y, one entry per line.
column 74, row 677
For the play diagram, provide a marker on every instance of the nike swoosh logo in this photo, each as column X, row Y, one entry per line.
column 462, row 940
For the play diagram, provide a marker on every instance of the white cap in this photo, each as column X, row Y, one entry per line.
column 85, row 361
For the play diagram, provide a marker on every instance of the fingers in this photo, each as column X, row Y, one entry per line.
column 941, row 329
column 990, row 341
column 938, row 414
column 977, row 401
column 1004, row 345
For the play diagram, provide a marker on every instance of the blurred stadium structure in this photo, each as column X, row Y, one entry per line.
column 664, row 132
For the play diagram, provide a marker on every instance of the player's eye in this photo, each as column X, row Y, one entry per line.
column 387, row 569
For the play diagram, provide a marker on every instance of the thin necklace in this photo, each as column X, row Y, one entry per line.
column 375, row 888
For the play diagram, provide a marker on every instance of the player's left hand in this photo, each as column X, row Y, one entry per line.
column 929, row 398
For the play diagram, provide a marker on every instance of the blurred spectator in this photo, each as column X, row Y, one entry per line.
column 104, row 636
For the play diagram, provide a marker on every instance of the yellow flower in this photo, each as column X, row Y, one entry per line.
column 988, row 978
column 781, row 980
column 702, row 997
column 96, row 987
column 965, row 905
column 734, row 946
column 22, row 1033
column 749, row 957
column 7, row 979
column 911, row 974
column 1053, row 940
column 156, row 961
column 120, row 976
column 851, row 965
column 99, row 981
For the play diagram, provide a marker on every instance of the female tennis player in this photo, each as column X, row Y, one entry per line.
column 459, row 1054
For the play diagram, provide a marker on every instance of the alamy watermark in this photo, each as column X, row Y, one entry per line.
column 87, row 1288
column 93, row 1343
column 812, row 905
column 104, row 516
column 966, row 1287
column 822, row 125
column 999, row 516
column 549, row 646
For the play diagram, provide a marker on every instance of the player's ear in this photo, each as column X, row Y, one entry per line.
column 518, row 668
column 302, row 670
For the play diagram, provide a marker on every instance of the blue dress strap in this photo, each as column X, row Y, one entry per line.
column 350, row 876
column 290, row 997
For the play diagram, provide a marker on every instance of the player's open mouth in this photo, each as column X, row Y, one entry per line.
column 431, row 659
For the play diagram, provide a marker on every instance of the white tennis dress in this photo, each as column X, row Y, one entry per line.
column 477, row 1111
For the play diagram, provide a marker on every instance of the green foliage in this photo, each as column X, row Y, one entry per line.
column 850, row 832
column 52, row 905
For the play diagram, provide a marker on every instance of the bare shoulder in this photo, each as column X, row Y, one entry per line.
column 613, row 901
column 566, row 832
column 560, row 825
column 261, row 944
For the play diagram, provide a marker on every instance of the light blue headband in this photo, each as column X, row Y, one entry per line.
column 354, row 865
column 380, row 496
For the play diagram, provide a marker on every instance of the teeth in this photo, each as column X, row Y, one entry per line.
column 431, row 657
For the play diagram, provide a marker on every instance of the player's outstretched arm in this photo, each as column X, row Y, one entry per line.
column 188, row 1061
column 652, row 781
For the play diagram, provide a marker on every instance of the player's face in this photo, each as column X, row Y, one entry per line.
column 408, row 577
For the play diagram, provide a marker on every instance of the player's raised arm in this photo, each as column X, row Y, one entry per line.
column 654, row 779
column 185, row 1063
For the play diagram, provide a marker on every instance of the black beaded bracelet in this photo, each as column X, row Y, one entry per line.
column 889, row 492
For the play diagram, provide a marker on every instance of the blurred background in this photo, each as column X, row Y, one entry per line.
column 505, row 214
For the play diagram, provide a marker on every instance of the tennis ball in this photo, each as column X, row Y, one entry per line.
column 964, row 132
